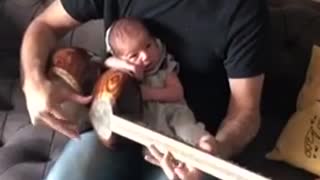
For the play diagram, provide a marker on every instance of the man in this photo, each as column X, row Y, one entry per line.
column 220, row 46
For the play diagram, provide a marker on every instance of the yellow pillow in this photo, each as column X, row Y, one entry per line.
column 310, row 91
column 299, row 142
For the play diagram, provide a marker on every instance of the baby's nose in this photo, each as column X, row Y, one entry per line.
column 143, row 56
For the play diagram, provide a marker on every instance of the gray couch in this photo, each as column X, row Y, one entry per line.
column 28, row 153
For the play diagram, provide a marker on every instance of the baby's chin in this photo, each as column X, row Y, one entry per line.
column 149, row 67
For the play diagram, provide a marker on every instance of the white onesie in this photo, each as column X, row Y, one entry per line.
column 175, row 120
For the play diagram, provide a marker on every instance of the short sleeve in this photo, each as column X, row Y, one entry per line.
column 172, row 65
column 84, row 10
column 247, row 39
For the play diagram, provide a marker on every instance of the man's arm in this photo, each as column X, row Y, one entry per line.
column 245, row 62
column 242, row 122
column 40, row 37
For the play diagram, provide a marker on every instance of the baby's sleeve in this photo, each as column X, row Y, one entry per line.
column 114, row 62
column 172, row 65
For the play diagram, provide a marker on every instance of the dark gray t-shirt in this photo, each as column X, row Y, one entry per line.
column 212, row 40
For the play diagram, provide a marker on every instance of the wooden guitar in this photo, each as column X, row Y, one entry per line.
column 105, row 118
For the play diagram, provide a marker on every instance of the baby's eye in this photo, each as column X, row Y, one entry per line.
column 133, row 55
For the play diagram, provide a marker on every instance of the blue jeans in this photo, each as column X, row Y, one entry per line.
column 88, row 159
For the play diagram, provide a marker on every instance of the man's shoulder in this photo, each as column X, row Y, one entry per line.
column 85, row 10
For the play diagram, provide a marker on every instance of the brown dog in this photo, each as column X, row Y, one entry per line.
column 73, row 68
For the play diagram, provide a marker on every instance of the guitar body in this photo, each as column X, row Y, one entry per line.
column 116, row 92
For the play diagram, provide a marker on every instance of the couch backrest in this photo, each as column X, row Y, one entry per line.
column 15, row 16
column 294, row 30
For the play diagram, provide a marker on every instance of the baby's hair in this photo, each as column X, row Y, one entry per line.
column 124, row 28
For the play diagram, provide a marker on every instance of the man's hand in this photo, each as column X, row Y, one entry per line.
column 42, row 97
column 179, row 170
column 173, row 169
column 43, row 100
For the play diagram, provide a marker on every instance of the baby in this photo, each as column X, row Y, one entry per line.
column 136, row 51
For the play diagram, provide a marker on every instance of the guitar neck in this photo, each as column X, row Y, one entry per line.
column 205, row 162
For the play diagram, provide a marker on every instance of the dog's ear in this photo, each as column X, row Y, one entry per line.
column 74, row 65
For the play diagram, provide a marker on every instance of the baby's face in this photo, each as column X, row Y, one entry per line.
column 140, row 50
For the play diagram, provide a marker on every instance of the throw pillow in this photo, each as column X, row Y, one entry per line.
column 310, row 91
column 299, row 142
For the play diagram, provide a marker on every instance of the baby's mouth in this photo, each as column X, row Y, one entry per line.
column 148, row 66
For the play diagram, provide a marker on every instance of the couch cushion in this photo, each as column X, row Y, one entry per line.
column 26, row 152
column 90, row 36
column 6, row 87
column 298, row 144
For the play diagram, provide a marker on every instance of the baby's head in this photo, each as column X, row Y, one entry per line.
column 130, row 40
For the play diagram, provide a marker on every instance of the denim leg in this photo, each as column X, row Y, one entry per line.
column 162, row 176
column 87, row 159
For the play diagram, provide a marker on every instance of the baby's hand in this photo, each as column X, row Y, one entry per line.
column 138, row 71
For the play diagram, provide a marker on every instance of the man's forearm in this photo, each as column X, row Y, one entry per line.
column 37, row 42
column 236, row 132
